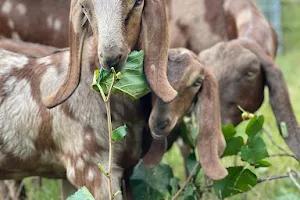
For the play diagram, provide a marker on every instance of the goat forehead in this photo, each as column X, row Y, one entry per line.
column 107, row 6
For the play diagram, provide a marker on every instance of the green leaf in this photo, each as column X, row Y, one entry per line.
column 255, row 125
column 132, row 81
column 174, row 183
column 189, row 130
column 191, row 162
column 82, row 194
column 233, row 146
column 119, row 133
column 262, row 163
column 102, row 169
column 254, row 151
column 228, row 131
column 284, row 130
column 103, row 73
column 189, row 193
column 238, row 180
column 151, row 183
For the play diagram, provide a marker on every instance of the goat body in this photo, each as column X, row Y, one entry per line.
column 68, row 140
column 245, row 21
column 40, row 21
column 196, row 24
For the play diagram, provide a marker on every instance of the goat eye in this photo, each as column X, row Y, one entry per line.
column 197, row 83
column 138, row 3
column 251, row 74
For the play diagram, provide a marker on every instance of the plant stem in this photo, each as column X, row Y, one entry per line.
column 111, row 150
column 111, row 143
column 187, row 181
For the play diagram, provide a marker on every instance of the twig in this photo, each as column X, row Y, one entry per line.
column 272, row 178
column 111, row 146
column 284, row 155
column 290, row 173
column 279, row 147
column 187, row 181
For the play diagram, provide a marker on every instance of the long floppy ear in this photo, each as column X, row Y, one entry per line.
column 154, row 40
column 211, row 142
column 156, row 152
column 77, row 33
column 279, row 96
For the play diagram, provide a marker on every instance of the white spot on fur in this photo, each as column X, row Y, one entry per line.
column 11, row 24
column 15, row 36
column 57, row 24
column 91, row 175
column 21, row 8
column 70, row 171
column 44, row 61
column 244, row 16
column 50, row 21
column 88, row 137
column 6, row 7
column 21, row 130
column 9, row 60
column 153, row 68
column 79, row 164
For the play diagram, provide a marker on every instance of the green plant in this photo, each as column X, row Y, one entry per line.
column 240, row 179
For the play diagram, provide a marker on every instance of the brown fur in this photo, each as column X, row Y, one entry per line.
column 194, row 82
column 34, row 25
column 196, row 24
column 254, row 26
column 30, row 49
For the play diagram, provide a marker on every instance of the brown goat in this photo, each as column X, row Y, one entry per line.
column 36, row 141
column 244, row 65
column 197, row 91
column 243, row 68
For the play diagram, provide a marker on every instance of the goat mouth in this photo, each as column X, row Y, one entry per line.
column 158, row 136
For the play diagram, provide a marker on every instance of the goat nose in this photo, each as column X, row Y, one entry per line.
column 112, row 61
column 161, row 125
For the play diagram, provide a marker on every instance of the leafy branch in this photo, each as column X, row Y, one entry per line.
column 129, row 81
column 186, row 182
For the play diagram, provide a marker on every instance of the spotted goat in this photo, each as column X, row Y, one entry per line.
column 71, row 138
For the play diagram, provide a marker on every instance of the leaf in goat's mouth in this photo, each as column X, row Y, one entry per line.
column 131, row 80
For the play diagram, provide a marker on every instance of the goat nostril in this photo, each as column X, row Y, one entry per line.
column 113, row 62
column 161, row 125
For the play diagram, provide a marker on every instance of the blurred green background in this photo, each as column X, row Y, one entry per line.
column 276, row 189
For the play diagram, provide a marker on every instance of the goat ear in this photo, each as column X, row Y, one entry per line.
column 211, row 143
column 279, row 96
column 154, row 41
column 155, row 152
column 76, row 38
